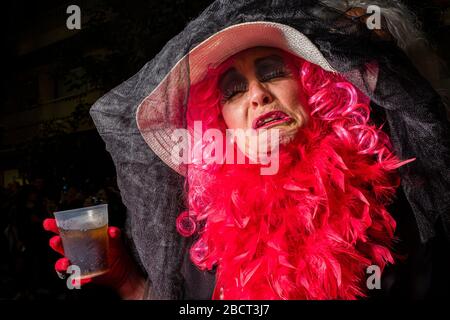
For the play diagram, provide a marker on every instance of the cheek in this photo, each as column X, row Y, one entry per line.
column 234, row 116
column 290, row 96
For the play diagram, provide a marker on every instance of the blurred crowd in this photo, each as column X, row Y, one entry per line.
column 27, row 261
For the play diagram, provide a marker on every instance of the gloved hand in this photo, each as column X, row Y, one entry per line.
column 120, row 263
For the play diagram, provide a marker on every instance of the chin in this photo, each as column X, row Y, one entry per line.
column 288, row 134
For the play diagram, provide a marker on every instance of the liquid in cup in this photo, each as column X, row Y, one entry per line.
column 84, row 237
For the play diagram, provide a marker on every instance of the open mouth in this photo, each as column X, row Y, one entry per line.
column 270, row 119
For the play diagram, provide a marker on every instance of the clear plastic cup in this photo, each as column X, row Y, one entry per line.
column 85, row 239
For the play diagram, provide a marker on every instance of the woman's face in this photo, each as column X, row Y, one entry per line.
column 259, row 91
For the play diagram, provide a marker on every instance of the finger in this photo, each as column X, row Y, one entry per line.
column 56, row 244
column 61, row 265
column 114, row 232
column 115, row 240
column 50, row 225
column 82, row 281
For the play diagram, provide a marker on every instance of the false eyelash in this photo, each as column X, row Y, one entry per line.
column 274, row 74
column 241, row 87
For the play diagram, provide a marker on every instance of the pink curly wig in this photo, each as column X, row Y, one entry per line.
column 310, row 231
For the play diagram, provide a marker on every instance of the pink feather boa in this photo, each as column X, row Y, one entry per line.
column 311, row 230
column 308, row 232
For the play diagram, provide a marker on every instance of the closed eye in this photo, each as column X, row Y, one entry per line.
column 277, row 73
column 233, row 91
column 270, row 67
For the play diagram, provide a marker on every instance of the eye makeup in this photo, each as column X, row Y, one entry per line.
column 232, row 83
column 270, row 67
column 266, row 68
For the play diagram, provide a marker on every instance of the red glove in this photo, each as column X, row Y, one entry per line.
column 120, row 264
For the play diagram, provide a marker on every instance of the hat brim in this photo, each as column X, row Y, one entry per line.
column 164, row 102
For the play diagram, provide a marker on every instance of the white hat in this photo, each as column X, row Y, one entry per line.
column 167, row 99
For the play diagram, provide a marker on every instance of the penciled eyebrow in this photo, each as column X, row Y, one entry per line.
column 274, row 58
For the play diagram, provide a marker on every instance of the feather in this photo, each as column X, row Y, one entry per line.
column 311, row 230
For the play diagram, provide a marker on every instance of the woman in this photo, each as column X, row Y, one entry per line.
column 314, row 239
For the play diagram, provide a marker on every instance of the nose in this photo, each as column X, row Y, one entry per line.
column 259, row 94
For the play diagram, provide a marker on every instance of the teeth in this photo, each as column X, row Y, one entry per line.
column 272, row 117
column 269, row 120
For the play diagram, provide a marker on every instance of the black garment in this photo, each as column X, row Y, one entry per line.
column 198, row 285
column 422, row 270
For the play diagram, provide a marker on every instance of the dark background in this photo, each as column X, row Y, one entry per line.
column 51, row 157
